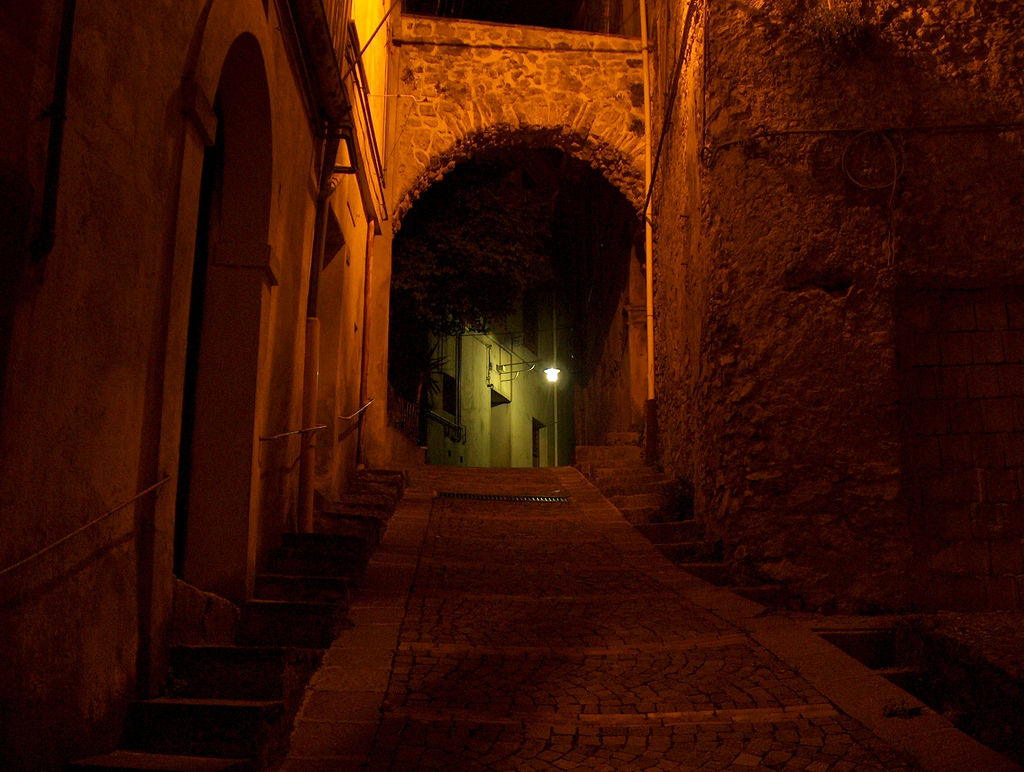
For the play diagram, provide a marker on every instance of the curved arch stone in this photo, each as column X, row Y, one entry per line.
column 466, row 88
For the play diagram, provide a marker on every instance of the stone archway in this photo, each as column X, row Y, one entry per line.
column 469, row 87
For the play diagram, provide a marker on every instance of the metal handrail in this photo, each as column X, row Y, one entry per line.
column 360, row 410
column 90, row 524
column 297, row 431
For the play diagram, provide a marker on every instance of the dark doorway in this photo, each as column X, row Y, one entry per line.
column 213, row 163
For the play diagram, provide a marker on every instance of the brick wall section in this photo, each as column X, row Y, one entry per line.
column 962, row 389
column 468, row 87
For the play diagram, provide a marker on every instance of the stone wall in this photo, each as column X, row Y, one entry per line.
column 784, row 234
column 962, row 392
column 467, row 87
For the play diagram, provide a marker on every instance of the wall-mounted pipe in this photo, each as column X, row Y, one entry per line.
column 311, row 365
column 321, row 49
column 650, row 407
column 46, row 237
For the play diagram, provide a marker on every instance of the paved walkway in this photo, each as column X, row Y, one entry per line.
column 502, row 635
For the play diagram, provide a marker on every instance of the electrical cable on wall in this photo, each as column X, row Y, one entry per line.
column 899, row 167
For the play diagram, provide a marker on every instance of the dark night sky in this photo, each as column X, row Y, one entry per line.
column 540, row 13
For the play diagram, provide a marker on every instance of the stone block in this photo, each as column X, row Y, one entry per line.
column 1015, row 314
column 1013, row 448
column 1017, row 404
column 953, row 523
column 956, row 451
column 1002, row 593
column 990, row 315
column 958, row 314
column 987, row 348
column 922, row 350
column 987, row 450
column 966, row 417
column 921, row 383
column 983, row 381
column 955, row 348
column 1007, row 556
column 997, row 415
column 972, row 558
column 951, row 382
column 930, row 418
column 991, row 520
column 1011, row 380
column 999, row 486
column 923, row 453
column 1013, row 346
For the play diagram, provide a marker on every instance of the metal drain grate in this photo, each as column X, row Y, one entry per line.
column 497, row 497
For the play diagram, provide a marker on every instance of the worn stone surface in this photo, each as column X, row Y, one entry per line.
column 530, row 641
column 777, row 267
column 468, row 87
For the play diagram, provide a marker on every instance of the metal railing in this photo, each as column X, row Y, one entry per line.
column 452, row 431
column 85, row 527
column 360, row 410
column 403, row 414
column 293, row 432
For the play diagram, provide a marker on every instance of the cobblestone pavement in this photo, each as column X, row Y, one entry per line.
column 535, row 637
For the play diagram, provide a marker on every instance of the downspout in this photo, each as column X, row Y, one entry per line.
column 322, row 50
column 46, row 237
column 364, row 363
column 650, row 407
column 311, row 365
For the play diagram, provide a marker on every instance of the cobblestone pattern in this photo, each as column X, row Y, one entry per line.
column 516, row 655
column 467, row 87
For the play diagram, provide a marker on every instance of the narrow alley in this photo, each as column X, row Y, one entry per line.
column 513, row 620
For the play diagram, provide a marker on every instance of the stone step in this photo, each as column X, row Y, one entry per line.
column 390, row 477
column 626, row 475
column 374, row 500
column 317, row 554
column 135, row 761
column 234, row 729
column 622, row 438
column 682, row 552
column 613, row 455
column 640, row 515
column 713, row 572
column 639, row 485
column 242, row 673
column 382, row 494
column 285, row 623
column 638, row 501
column 313, row 589
column 672, row 533
column 774, row 595
column 370, row 528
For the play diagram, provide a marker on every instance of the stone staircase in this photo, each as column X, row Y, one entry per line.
column 230, row 701
column 618, row 471
column 640, row 493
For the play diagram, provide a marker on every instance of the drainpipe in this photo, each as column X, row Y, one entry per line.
column 46, row 237
column 311, row 366
column 316, row 32
column 650, row 407
column 364, row 357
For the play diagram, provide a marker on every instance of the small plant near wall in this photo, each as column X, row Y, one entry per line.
column 839, row 28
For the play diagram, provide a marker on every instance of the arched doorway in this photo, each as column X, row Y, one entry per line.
column 216, row 517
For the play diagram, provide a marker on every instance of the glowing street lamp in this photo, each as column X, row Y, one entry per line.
column 552, row 374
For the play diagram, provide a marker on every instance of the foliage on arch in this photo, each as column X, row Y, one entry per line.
column 471, row 245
